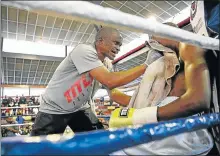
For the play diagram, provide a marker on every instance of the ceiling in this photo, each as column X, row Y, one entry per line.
column 23, row 69
column 132, row 61
column 24, row 25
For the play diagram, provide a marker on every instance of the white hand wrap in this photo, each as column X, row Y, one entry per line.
column 145, row 115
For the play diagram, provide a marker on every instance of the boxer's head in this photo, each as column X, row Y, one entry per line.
column 172, row 44
column 108, row 42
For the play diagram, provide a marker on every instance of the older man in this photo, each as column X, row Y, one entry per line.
column 66, row 98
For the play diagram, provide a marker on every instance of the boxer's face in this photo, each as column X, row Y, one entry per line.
column 110, row 46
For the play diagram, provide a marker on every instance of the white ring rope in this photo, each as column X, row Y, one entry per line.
column 11, row 125
column 107, row 16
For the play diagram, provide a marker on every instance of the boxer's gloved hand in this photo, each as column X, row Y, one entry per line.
column 152, row 56
column 123, row 117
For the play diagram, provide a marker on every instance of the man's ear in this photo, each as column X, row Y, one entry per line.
column 101, row 40
column 97, row 27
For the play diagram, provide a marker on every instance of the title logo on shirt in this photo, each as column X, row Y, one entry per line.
column 76, row 89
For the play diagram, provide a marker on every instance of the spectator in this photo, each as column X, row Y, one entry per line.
column 16, row 100
column 22, row 100
column 5, row 102
column 20, row 119
column 32, row 99
column 9, row 131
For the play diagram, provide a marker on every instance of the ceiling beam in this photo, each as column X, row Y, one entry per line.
column 31, row 56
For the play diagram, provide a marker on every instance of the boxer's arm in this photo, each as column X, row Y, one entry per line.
column 116, row 79
column 119, row 97
column 198, row 91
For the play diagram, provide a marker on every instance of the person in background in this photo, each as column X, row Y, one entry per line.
column 10, row 130
column 16, row 101
column 5, row 101
column 32, row 100
column 19, row 119
column 22, row 100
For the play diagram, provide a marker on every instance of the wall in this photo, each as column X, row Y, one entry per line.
column 13, row 91
column 36, row 91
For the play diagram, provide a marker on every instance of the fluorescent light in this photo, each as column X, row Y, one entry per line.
column 152, row 18
column 35, row 48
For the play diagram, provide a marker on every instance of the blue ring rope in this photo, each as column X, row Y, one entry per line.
column 105, row 141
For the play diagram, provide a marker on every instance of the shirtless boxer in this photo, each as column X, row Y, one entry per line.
column 194, row 100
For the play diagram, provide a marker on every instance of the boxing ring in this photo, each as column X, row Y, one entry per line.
column 104, row 141
column 107, row 141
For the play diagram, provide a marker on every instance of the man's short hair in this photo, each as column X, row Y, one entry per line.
column 105, row 32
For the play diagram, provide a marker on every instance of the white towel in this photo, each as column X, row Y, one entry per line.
column 156, row 82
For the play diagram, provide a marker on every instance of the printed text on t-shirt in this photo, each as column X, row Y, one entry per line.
column 71, row 93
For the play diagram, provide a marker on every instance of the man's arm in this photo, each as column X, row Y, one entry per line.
column 116, row 79
column 119, row 97
column 198, row 91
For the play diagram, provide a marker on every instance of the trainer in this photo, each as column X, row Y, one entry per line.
column 66, row 98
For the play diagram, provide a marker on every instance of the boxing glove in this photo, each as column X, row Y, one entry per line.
column 123, row 117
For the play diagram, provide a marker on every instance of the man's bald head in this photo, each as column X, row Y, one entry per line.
column 106, row 32
column 108, row 42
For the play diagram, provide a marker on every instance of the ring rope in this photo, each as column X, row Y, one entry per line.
column 105, row 141
column 107, row 16
column 12, row 125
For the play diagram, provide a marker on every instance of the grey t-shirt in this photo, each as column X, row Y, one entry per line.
column 71, row 86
